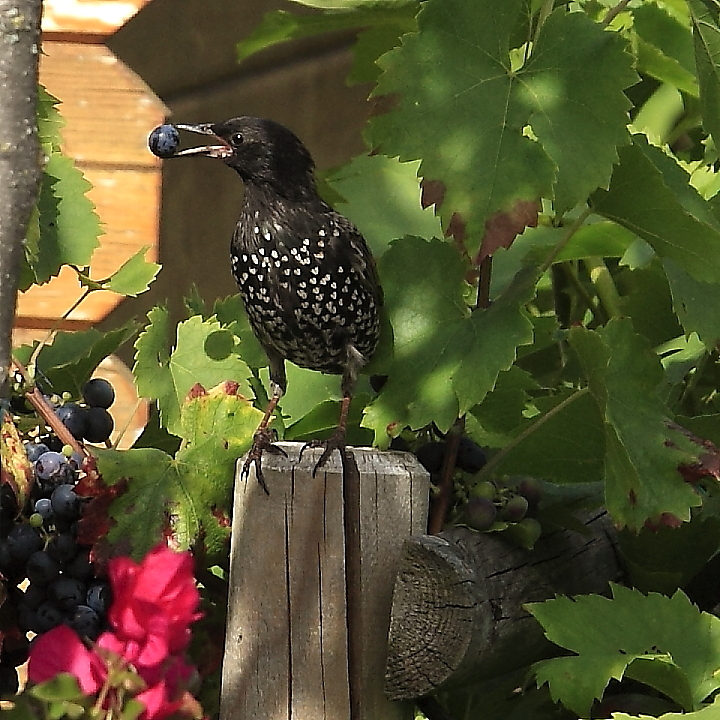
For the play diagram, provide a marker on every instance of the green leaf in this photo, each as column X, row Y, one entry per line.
column 321, row 421
column 650, row 195
column 352, row 4
column 678, row 646
column 696, row 303
column 663, row 559
column 436, row 372
column 68, row 227
column 642, row 451
column 63, row 686
column 190, row 492
column 383, row 200
column 465, row 108
column 423, row 283
column 50, row 122
column 134, row 275
column 567, row 442
column 665, row 47
column 168, row 376
column 706, row 37
column 231, row 314
column 67, row 364
column 280, row 25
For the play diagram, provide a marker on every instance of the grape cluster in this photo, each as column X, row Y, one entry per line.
column 90, row 421
column 513, row 503
column 48, row 574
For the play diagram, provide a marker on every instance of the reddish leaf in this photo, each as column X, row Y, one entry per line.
column 503, row 227
column 16, row 470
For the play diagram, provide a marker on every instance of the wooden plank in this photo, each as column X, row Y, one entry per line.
column 289, row 626
column 108, row 109
column 127, row 202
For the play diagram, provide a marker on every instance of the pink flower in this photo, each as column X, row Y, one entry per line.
column 153, row 604
column 61, row 651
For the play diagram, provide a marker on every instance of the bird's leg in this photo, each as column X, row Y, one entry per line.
column 337, row 440
column 263, row 438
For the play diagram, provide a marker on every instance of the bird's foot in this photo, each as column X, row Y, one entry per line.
column 335, row 442
column 262, row 442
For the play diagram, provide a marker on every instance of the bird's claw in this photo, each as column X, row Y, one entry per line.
column 262, row 442
column 335, row 442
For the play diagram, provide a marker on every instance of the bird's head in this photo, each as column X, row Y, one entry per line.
column 263, row 152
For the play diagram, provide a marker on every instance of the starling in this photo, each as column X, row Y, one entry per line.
column 305, row 273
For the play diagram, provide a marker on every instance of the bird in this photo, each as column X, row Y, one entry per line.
column 306, row 276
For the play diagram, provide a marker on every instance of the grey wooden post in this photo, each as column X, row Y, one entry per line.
column 312, row 569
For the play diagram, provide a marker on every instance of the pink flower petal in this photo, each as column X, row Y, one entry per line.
column 61, row 650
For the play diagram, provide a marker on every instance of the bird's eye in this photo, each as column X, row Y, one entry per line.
column 236, row 139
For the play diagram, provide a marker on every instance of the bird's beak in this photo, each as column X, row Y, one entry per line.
column 221, row 150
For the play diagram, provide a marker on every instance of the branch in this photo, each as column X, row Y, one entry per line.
column 19, row 153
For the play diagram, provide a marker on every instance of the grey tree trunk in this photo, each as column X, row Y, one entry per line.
column 19, row 152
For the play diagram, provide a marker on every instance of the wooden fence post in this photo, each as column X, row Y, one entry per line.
column 312, row 569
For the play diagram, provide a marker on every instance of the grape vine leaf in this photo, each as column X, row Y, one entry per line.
column 16, row 470
column 66, row 225
column 167, row 375
column 67, row 363
column 446, row 359
column 664, row 642
column 280, row 25
column 134, row 276
column 642, row 451
column 191, row 492
column 706, row 37
column 696, row 303
column 465, row 106
column 650, row 195
column 566, row 443
column 50, row 122
column 382, row 197
column 665, row 47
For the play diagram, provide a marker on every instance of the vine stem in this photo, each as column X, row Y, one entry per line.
column 56, row 325
column 43, row 409
column 496, row 459
column 613, row 12
column 604, row 285
column 441, row 502
column 571, row 230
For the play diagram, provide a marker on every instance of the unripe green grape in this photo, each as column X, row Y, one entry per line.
column 35, row 520
column 514, row 509
column 484, row 489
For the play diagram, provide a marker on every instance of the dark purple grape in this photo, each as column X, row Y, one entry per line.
column 27, row 618
column 8, row 509
column 7, row 562
column 48, row 616
column 85, row 622
column 49, row 464
column 52, row 441
column 99, row 425
column 470, row 457
column 480, row 513
column 99, row 597
column 9, row 682
column 65, row 502
column 514, row 509
column 67, row 592
column 80, row 566
column 35, row 595
column 62, row 547
column 98, row 392
column 23, row 540
column 431, row 456
column 164, row 140
column 43, row 507
column 41, row 568
column 72, row 416
column 35, row 450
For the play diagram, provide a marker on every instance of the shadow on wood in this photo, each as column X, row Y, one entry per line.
column 457, row 615
column 312, row 569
